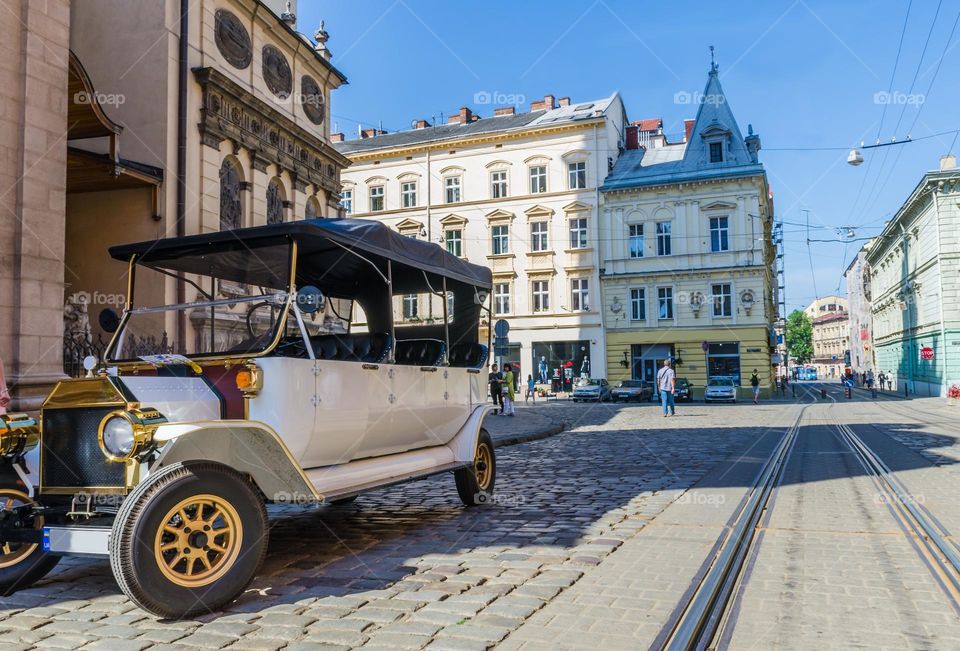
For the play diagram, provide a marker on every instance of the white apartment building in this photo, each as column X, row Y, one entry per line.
column 517, row 192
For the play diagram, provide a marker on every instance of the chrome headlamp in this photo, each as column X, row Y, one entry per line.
column 19, row 433
column 125, row 433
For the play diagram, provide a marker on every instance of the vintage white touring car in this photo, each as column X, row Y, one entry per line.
column 288, row 380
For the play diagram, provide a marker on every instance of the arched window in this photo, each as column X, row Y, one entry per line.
column 231, row 206
column 275, row 200
column 312, row 209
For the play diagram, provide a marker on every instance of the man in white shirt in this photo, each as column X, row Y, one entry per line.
column 667, row 384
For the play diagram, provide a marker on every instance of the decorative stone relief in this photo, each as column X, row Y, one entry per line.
column 232, row 39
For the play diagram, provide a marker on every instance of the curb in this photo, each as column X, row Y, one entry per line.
column 533, row 436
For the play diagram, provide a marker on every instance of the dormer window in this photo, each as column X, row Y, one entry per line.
column 716, row 152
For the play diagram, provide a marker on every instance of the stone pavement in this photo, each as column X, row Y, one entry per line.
column 407, row 566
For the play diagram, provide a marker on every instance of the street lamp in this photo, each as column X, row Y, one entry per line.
column 855, row 157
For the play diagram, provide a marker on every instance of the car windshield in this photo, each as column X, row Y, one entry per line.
column 235, row 300
column 631, row 384
column 721, row 382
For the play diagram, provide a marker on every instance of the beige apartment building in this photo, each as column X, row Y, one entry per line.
column 516, row 191
column 831, row 335
column 115, row 133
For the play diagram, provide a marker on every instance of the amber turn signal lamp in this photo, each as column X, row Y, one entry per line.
column 249, row 380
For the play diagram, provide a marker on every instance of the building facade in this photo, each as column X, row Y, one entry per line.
column 915, row 282
column 229, row 131
column 857, row 277
column 516, row 192
column 687, row 258
column 831, row 344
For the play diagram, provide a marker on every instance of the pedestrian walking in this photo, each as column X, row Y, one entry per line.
column 882, row 380
column 496, row 392
column 755, row 383
column 4, row 394
column 667, row 384
column 531, row 390
column 783, row 386
column 508, row 391
column 869, row 379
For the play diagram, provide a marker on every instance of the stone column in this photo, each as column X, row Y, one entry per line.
column 34, row 64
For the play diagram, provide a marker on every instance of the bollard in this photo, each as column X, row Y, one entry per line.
column 823, row 393
column 794, row 389
column 848, row 392
column 906, row 390
column 873, row 393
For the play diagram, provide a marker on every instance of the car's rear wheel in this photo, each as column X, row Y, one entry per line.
column 22, row 564
column 475, row 482
column 189, row 539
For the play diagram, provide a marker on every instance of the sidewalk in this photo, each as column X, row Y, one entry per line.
column 532, row 422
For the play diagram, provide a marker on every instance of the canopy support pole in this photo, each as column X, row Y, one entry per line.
column 393, row 330
column 446, row 325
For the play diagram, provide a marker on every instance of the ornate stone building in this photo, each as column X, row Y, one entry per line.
column 121, row 131
column 686, row 253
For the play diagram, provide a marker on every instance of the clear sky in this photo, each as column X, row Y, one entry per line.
column 806, row 74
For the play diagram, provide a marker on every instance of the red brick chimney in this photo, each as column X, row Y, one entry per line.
column 466, row 115
column 549, row 102
column 633, row 136
column 506, row 110
column 336, row 137
column 688, row 129
column 564, row 101
column 421, row 124
column 368, row 133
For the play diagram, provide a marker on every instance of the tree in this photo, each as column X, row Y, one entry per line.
column 800, row 336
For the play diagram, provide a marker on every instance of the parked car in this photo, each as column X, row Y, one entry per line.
column 683, row 390
column 595, row 389
column 165, row 458
column 720, row 389
column 630, row 390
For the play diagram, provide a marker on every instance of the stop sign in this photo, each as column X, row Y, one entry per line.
column 926, row 352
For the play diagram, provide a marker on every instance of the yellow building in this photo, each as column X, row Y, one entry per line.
column 687, row 254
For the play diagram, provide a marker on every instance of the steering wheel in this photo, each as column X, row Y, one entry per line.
column 249, row 320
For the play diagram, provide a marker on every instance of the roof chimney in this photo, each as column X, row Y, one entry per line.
column 420, row 124
column 506, row 110
column 368, row 133
column 548, row 102
column 564, row 101
column 336, row 137
column 538, row 105
column 688, row 129
column 948, row 162
column 466, row 115
column 633, row 136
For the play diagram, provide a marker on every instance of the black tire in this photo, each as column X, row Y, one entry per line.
column 468, row 480
column 136, row 550
column 24, row 564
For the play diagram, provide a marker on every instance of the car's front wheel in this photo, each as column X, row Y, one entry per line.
column 189, row 539
column 21, row 564
column 475, row 482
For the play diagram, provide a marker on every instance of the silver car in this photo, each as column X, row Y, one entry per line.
column 720, row 389
column 594, row 389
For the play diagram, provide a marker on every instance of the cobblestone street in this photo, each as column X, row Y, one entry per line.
column 565, row 557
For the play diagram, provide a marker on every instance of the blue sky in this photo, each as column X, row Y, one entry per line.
column 805, row 73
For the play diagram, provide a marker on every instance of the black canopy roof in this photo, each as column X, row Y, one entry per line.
column 327, row 255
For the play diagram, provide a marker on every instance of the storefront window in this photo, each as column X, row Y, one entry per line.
column 723, row 359
column 565, row 361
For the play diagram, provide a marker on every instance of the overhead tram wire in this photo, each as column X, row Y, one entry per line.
column 883, row 115
column 903, row 110
column 916, row 118
column 813, row 275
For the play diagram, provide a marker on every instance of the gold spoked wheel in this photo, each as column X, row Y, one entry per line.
column 198, row 540
column 483, row 465
column 12, row 553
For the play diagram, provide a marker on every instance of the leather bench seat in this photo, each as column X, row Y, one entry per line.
column 466, row 355
column 371, row 348
column 420, row 352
